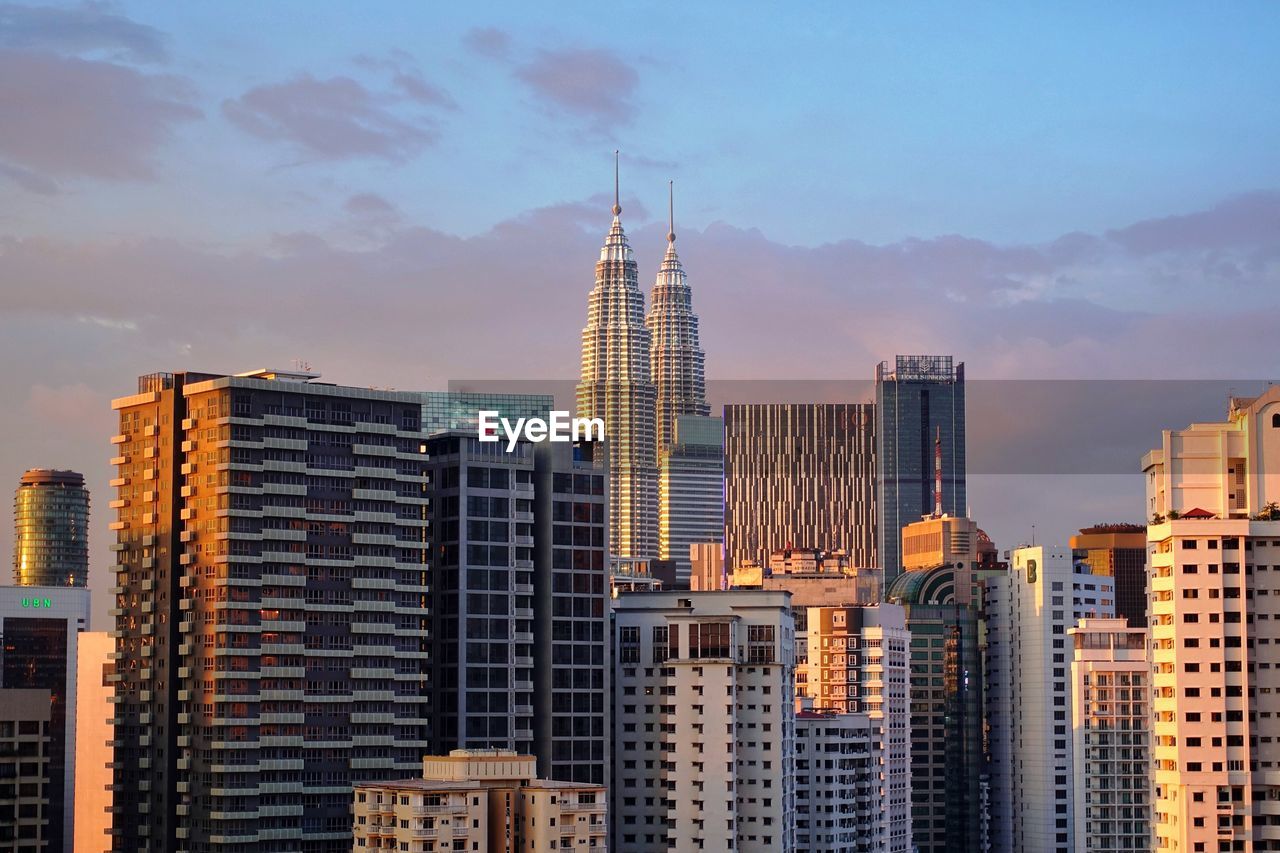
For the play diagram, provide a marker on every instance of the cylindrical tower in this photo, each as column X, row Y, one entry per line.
column 51, row 529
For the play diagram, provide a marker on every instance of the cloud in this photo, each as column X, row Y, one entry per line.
column 490, row 42
column 329, row 119
column 595, row 85
column 77, row 30
column 68, row 117
column 1247, row 220
column 370, row 204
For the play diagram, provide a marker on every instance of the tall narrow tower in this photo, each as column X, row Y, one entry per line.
column 676, row 360
column 616, row 386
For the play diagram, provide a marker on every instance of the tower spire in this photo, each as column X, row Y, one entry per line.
column 617, row 205
column 671, row 212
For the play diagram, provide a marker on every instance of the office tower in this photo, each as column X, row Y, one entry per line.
column 677, row 363
column 946, row 707
column 459, row 410
column 520, row 602
column 1110, row 683
column 691, row 491
column 919, row 404
column 839, row 808
column 272, row 608
column 1029, row 610
column 704, row 722
column 616, row 385
column 706, row 560
column 1214, row 549
column 94, row 734
column 858, row 663
column 39, row 629
column 1118, row 550
column 26, row 738
column 802, row 476
column 51, row 529
column 487, row 800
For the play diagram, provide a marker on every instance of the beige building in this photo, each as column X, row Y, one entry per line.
column 94, row 734
column 25, row 740
column 485, row 800
column 1214, row 561
column 859, row 663
column 707, row 566
column 1110, row 677
column 945, row 540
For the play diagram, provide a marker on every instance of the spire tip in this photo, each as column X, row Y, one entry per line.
column 617, row 205
column 671, row 212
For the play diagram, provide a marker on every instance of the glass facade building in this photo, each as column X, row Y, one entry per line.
column 919, row 399
column 51, row 529
column 459, row 410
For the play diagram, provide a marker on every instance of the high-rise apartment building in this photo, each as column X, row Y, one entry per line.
column 802, row 476
column 39, row 649
column 1214, row 552
column 946, row 708
column 677, row 363
column 272, row 608
column 94, row 735
column 839, row 808
column 1028, row 702
column 1110, row 722
column 51, row 529
column 1118, row 550
column 919, row 405
column 520, row 644
column 690, row 490
column 704, row 722
column 858, row 663
column 25, row 771
column 488, row 800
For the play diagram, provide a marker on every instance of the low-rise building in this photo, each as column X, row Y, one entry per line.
column 489, row 800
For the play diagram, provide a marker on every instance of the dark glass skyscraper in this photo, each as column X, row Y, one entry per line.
column 51, row 529
column 918, row 399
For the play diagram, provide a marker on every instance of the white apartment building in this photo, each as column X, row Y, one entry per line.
column 1111, row 752
column 858, row 662
column 839, row 806
column 1213, row 548
column 1028, row 685
column 704, row 722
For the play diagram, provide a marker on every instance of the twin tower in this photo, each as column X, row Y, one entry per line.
column 639, row 372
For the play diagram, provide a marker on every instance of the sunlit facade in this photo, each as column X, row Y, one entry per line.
column 51, row 529
column 616, row 385
column 1213, row 548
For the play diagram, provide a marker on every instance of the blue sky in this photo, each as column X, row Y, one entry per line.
column 1008, row 122
column 408, row 193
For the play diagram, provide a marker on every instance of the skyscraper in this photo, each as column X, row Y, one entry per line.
column 94, row 736
column 704, row 722
column 946, row 708
column 691, row 491
column 51, row 529
column 1111, row 728
column 802, row 476
column 616, row 385
column 919, row 400
column 272, row 608
column 1118, row 550
column 676, row 360
column 39, row 634
column 1029, row 694
column 1214, row 551
column 520, row 603
column 445, row 410
column 859, row 662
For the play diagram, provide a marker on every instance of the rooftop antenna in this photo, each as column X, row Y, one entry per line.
column 617, row 205
column 671, row 211
column 937, row 475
